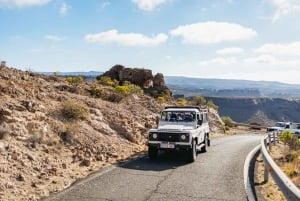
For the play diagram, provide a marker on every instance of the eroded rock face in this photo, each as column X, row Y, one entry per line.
column 152, row 85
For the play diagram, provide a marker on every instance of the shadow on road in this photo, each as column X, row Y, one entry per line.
column 164, row 161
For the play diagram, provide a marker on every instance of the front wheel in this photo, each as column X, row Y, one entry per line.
column 192, row 154
column 152, row 152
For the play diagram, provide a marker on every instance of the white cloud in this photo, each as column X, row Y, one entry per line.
column 22, row 3
column 272, row 61
column 219, row 61
column 212, row 32
column 64, row 9
column 126, row 39
column 54, row 38
column 105, row 4
column 285, row 7
column 231, row 50
column 149, row 5
column 280, row 49
column 262, row 59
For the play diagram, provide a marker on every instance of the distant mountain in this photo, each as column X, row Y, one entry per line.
column 230, row 88
column 214, row 87
column 88, row 73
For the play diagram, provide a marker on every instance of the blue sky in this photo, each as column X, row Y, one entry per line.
column 231, row 39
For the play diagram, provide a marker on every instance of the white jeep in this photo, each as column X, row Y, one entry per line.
column 180, row 128
column 295, row 129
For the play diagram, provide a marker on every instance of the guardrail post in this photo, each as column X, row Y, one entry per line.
column 278, row 133
column 266, row 171
column 269, row 141
column 274, row 139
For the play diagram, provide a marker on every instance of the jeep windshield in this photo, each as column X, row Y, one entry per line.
column 282, row 125
column 175, row 116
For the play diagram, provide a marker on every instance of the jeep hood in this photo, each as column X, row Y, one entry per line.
column 175, row 127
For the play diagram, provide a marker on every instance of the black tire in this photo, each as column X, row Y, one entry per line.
column 152, row 153
column 192, row 153
column 206, row 144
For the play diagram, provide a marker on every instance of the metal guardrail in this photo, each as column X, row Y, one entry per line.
column 249, row 166
column 288, row 188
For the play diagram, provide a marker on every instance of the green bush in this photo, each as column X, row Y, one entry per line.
column 181, row 102
column 134, row 89
column 211, row 104
column 105, row 80
column 128, row 88
column 74, row 110
column 122, row 90
column 161, row 99
column 228, row 121
column 285, row 136
column 199, row 100
column 75, row 80
column 97, row 91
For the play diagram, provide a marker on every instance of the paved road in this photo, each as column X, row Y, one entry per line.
column 216, row 175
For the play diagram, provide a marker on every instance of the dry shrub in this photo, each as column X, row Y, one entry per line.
column 69, row 135
column 96, row 91
column 3, row 133
column 75, row 110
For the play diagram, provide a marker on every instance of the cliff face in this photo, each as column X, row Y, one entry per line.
column 264, row 111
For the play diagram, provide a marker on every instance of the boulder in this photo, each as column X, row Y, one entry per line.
column 152, row 85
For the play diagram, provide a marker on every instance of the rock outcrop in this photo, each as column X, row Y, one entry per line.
column 152, row 85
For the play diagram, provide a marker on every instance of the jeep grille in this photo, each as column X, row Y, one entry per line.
column 170, row 137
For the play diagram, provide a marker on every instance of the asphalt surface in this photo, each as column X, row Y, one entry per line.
column 216, row 175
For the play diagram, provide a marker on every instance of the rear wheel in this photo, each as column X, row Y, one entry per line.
column 152, row 153
column 206, row 144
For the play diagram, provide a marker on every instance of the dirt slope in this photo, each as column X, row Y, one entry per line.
column 43, row 150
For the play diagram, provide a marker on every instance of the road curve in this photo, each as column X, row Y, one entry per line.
column 216, row 175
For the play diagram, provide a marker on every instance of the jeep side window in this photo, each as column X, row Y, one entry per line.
column 199, row 119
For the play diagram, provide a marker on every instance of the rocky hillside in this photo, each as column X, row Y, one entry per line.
column 55, row 130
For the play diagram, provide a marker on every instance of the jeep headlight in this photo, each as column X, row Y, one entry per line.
column 183, row 137
column 154, row 135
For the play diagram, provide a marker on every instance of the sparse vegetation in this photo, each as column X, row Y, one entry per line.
column 128, row 88
column 211, row 104
column 161, row 99
column 3, row 133
column 228, row 122
column 292, row 156
column 69, row 135
column 181, row 101
column 97, row 91
column 74, row 110
column 75, row 80
column 122, row 90
column 104, row 80
column 199, row 100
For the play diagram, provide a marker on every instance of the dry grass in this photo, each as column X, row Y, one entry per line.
column 75, row 110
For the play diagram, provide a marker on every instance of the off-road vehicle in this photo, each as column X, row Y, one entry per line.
column 183, row 128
